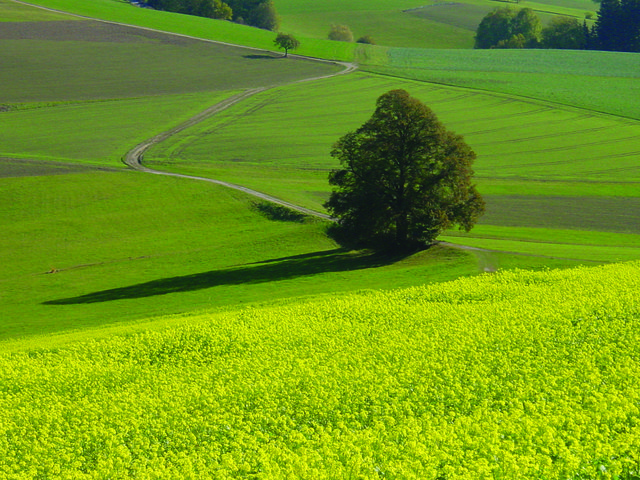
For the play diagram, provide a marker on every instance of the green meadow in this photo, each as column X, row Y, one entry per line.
column 175, row 328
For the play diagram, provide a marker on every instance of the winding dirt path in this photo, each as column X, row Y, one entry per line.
column 134, row 157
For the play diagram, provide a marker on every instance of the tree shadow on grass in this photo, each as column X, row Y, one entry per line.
column 337, row 260
column 261, row 57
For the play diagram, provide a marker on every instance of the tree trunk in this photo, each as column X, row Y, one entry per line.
column 402, row 231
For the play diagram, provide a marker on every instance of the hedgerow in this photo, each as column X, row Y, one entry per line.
column 509, row 375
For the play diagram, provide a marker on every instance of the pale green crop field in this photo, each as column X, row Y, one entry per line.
column 510, row 375
column 203, row 28
column 600, row 81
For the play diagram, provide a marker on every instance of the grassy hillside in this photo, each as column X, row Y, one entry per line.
column 553, row 176
column 410, row 23
column 600, row 81
column 124, row 12
column 99, row 247
column 124, row 246
column 511, row 375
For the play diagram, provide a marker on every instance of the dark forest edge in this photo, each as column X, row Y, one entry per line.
column 256, row 13
column 617, row 28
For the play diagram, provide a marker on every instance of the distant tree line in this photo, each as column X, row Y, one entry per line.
column 257, row 13
column 617, row 28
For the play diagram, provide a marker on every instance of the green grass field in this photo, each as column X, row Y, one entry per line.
column 103, row 247
column 410, row 23
column 158, row 327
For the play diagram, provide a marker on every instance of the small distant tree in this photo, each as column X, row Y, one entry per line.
column 564, row 33
column 366, row 39
column 404, row 178
column 286, row 42
column 341, row 33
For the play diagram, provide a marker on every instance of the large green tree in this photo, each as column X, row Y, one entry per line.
column 508, row 28
column 618, row 25
column 564, row 33
column 404, row 178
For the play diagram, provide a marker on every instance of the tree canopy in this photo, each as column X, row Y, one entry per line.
column 564, row 33
column 257, row 13
column 404, row 178
column 508, row 28
column 618, row 26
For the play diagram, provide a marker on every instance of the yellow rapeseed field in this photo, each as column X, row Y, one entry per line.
column 512, row 375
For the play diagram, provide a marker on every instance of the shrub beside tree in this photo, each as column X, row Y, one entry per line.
column 341, row 33
column 564, row 33
column 404, row 178
column 366, row 39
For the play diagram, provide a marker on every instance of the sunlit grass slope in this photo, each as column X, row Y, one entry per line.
column 510, row 375
column 408, row 23
column 124, row 12
column 91, row 248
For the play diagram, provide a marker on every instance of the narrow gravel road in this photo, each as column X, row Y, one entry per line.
column 134, row 157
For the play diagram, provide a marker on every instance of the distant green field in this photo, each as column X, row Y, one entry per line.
column 601, row 81
column 79, row 60
column 541, row 166
column 514, row 375
column 410, row 23
column 511, row 136
column 204, row 28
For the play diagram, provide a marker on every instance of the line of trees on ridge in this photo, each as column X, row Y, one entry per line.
column 257, row 13
column 617, row 28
